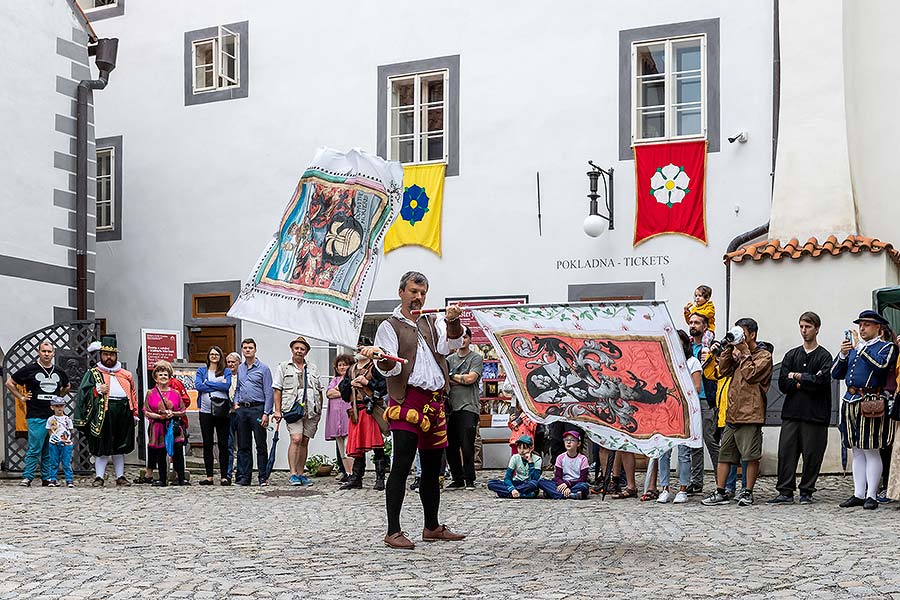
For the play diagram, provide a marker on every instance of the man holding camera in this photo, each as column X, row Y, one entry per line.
column 750, row 366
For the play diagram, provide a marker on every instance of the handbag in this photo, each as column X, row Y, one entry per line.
column 299, row 408
column 872, row 406
column 221, row 407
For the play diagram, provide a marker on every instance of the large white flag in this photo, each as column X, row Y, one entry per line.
column 616, row 370
column 315, row 275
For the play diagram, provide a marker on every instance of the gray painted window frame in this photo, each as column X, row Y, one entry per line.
column 709, row 27
column 106, row 12
column 114, row 234
column 241, row 28
column 451, row 64
column 645, row 289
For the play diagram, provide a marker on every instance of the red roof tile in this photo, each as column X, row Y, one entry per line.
column 775, row 250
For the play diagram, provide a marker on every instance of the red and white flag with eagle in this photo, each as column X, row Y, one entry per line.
column 617, row 370
column 671, row 190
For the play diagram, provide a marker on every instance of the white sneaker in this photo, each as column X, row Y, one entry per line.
column 664, row 496
column 680, row 498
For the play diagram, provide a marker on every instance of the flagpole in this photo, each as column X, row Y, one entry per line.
column 429, row 311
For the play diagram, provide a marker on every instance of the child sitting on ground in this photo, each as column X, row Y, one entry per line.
column 702, row 305
column 60, row 442
column 571, row 477
column 522, row 474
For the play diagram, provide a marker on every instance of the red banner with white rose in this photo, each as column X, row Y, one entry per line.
column 671, row 190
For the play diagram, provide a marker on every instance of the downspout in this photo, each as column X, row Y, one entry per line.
column 105, row 59
column 763, row 229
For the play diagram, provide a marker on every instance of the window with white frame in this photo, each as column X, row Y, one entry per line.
column 216, row 62
column 106, row 187
column 669, row 93
column 417, row 106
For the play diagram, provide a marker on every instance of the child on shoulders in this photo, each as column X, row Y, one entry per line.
column 522, row 474
column 702, row 305
column 571, row 476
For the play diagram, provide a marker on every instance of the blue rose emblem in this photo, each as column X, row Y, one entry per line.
column 415, row 204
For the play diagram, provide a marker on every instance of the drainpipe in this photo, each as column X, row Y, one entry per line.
column 763, row 229
column 105, row 59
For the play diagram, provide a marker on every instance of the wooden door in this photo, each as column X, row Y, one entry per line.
column 201, row 339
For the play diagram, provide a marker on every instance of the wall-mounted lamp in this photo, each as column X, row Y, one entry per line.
column 595, row 223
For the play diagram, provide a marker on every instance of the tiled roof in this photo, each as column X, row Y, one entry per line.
column 775, row 250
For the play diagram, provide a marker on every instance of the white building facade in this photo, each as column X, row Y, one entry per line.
column 218, row 106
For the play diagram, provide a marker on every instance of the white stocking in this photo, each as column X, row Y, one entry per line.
column 859, row 473
column 100, row 463
column 119, row 464
column 873, row 472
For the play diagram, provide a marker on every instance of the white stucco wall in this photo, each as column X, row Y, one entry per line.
column 813, row 164
column 776, row 293
column 204, row 186
column 872, row 125
column 29, row 103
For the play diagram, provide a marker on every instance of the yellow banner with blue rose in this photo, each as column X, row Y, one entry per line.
column 419, row 223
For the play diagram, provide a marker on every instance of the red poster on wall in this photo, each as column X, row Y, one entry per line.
column 467, row 320
column 159, row 344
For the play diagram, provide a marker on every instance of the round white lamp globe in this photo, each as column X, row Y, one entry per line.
column 595, row 225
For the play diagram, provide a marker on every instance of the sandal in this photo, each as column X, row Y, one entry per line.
column 626, row 493
column 650, row 495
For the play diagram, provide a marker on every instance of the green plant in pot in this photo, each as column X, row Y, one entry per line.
column 319, row 465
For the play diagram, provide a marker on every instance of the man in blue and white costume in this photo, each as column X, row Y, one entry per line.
column 864, row 364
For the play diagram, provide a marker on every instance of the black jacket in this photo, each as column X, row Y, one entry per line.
column 809, row 399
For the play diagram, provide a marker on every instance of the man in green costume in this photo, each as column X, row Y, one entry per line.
column 106, row 411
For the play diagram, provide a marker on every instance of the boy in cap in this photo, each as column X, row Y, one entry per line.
column 60, row 428
column 522, row 474
column 571, row 472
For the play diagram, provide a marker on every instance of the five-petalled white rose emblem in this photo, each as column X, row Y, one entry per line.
column 669, row 185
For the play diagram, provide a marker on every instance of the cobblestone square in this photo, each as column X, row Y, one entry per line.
column 281, row 542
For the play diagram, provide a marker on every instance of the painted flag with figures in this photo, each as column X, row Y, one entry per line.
column 419, row 222
column 617, row 370
column 315, row 275
column 671, row 190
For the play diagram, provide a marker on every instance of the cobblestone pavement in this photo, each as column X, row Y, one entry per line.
column 281, row 542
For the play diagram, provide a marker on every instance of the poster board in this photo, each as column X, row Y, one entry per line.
column 160, row 344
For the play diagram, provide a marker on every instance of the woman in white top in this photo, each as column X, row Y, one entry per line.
column 684, row 452
column 213, row 384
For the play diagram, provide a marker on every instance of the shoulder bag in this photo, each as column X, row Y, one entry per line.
column 299, row 408
column 872, row 406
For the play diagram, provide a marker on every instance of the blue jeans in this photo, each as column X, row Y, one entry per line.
column 38, row 448
column 548, row 486
column 527, row 489
column 61, row 454
column 731, row 481
column 684, row 467
column 232, row 438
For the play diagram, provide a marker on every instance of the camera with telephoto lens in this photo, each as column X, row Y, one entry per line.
column 373, row 401
column 735, row 335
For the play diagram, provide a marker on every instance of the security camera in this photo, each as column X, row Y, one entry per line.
column 741, row 137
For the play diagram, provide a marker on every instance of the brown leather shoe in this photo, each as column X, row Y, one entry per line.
column 441, row 533
column 398, row 541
